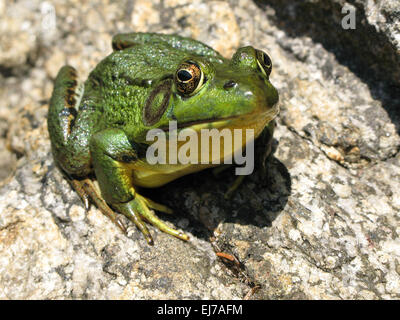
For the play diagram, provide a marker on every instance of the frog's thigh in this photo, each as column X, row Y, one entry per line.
column 67, row 126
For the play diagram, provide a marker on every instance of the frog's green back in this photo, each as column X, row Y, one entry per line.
column 175, row 42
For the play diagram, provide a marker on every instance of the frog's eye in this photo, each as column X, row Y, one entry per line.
column 189, row 78
column 264, row 62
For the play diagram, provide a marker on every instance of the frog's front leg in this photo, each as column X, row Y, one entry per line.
column 263, row 148
column 113, row 157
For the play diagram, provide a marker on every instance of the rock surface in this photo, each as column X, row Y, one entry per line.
column 323, row 224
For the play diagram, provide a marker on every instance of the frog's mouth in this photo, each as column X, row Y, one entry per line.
column 193, row 124
column 256, row 119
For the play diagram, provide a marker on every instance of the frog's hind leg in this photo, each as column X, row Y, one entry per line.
column 263, row 146
column 70, row 128
column 234, row 186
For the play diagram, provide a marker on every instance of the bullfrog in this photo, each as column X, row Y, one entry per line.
column 98, row 127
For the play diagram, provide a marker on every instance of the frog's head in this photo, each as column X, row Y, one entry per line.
column 201, row 93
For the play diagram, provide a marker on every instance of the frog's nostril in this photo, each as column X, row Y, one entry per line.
column 230, row 84
column 248, row 94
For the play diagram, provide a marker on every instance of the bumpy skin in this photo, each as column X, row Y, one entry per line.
column 101, row 127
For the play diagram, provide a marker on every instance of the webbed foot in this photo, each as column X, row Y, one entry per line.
column 88, row 192
column 234, row 186
column 138, row 210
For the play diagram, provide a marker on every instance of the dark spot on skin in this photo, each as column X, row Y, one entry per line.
column 66, row 112
column 72, row 73
column 67, row 117
column 70, row 100
column 146, row 83
column 116, row 46
column 121, row 45
column 70, row 94
column 128, row 158
column 71, row 86
column 230, row 84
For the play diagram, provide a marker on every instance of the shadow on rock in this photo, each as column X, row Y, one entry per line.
column 200, row 198
column 365, row 50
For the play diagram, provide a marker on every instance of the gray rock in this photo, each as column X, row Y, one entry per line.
column 322, row 224
column 359, row 122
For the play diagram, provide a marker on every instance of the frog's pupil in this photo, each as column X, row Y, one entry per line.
column 184, row 75
column 267, row 60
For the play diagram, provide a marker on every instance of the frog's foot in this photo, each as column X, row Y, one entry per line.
column 78, row 187
column 235, row 185
column 138, row 210
column 88, row 191
column 217, row 170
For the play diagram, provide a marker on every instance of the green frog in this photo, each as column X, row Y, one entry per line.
column 98, row 128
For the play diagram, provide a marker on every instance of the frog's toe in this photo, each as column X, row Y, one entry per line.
column 88, row 192
column 129, row 209
column 157, row 206
column 155, row 221
column 138, row 210
column 235, row 185
column 217, row 170
column 80, row 190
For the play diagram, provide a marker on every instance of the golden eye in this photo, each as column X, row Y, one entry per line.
column 189, row 78
column 264, row 62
